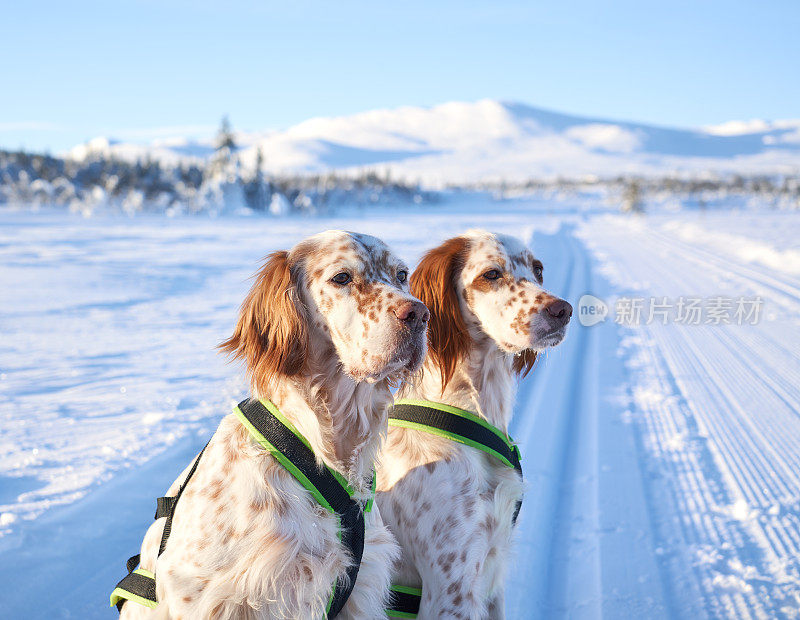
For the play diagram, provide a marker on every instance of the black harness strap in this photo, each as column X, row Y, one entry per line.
column 404, row 602
column 454, row 424
column 168, row 504
column 297, row 453
column 349, row 511
column 137, row 585
column 164, row 506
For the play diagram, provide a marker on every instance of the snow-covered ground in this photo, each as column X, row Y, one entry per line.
column 663, row 460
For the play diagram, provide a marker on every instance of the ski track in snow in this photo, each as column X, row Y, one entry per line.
column 662, row 462
column 718, row 411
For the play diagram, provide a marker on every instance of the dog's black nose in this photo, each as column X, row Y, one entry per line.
column 413, row 313
column 560, row 310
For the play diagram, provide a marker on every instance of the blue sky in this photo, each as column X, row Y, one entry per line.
column 74, row 70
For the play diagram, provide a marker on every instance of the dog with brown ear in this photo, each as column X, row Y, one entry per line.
column 324, row 331
column 450, row 502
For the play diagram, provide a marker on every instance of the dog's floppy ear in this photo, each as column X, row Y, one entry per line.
column 523, row 362
column 434, row 284
column 272, row 334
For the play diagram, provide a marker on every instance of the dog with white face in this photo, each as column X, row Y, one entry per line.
column 450, row 505
column 324, row 331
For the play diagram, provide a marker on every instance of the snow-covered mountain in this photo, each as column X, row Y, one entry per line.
column 492, row 140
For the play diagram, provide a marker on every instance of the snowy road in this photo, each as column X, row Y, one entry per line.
column 718, row 410
column 663, row 461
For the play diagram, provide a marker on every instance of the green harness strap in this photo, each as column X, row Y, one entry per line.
column 463, row 427
column 329, row 488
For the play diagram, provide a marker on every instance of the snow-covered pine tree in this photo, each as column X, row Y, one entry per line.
column 257, row 191
column 224, row 155
column 226, row 143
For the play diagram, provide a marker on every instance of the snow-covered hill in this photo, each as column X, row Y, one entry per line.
column 491, row 140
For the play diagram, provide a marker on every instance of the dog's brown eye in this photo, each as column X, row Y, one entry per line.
column 342, row 278
column 402, row 276
column 492, row 274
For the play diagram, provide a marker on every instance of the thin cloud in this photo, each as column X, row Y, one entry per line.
column 30, row 126
column 169, row 131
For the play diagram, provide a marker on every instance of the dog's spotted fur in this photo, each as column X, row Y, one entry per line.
column 247, row 540
column 450, row 505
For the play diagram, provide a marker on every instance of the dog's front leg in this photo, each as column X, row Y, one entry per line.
column 496, row 609
column 451, row 595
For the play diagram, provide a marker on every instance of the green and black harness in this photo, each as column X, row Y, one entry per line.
column 279, row 437
column 463, row 427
